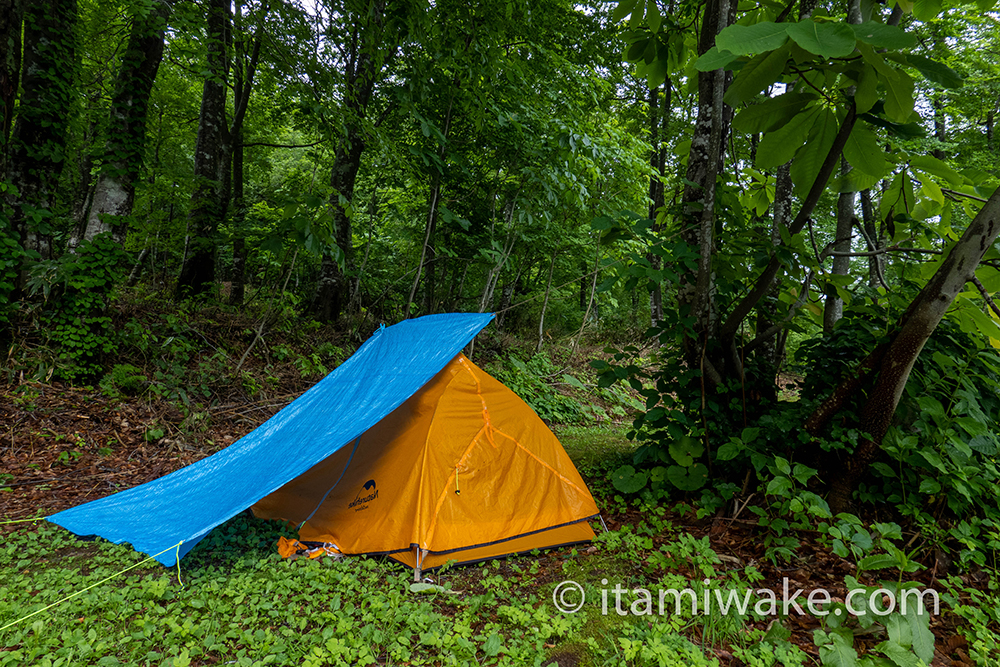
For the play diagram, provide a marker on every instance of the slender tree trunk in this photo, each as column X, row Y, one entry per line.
column 114, row 192
column 207, row 206
column 875, row 262
column 11, row 17
column 894, row 361
column 657, row 120
column 834, row 307
column 545, row 304
column 939, row 127
column 38, row 143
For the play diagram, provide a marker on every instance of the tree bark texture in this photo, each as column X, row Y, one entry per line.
column 37, row 150
column 114, row 192
column 207, row 206
column 695, row 292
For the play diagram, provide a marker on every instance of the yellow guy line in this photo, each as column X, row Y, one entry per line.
column 70, row 597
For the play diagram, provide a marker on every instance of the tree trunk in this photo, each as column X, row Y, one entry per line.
column 696, row 289
column 876, row 263
column 11, row 17
column 939, row 127
column 834, row 307
column 207, row 205
column 657, row 121
column 545, row 304
column 114, row 192
column 895, row 360
column 38, row 143
column 333, row 292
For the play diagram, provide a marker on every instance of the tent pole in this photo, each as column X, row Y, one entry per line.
column 416, row 568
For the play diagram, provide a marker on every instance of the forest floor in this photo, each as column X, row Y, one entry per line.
column 62, row 446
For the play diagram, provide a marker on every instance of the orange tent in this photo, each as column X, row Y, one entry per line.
column 462, row 470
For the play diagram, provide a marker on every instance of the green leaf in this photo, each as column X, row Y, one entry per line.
column 688, row 478
column 900, row 656
column 932, row 165
column 492, row 645
column 866, row 93
column 627, row 480
column 839, row 652
column 744, row 40
column 729, row 450
column 624, row 8
column 829, row 40
column 920, row 632
column 930, row 486
column 899, row 101
column 653, row 18
column 884, row 36
column 713, row 59
column 934, row 71
column 772, row 113
column 805, row 167
column 926, row 10
column 779, row 146
column 877, row 562
column 756, row 75
column 864, row 153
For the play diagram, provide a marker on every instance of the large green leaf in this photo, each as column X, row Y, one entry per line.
column 926, row 10
column 899, row 101
column 829, row 40
column 756, row 75
column 900, row 656
column 627, row 480
column 713, row 59
column 934, row 71
column 807, row 161
column 623, row 9
column 778, row 147
column 839, row 652
column 744, row 40
column 883, row 36
column 866, row 93
column 771, row 113
column 932, row 165
column 688, row 478
column 864, row 152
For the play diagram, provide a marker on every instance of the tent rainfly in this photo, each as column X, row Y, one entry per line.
column 407, row 449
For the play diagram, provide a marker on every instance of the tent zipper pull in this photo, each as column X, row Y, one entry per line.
column 457, row 490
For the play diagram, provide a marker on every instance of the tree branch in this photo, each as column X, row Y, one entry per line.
column 808, row 206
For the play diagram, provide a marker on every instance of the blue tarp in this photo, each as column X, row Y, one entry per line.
column 184, row 506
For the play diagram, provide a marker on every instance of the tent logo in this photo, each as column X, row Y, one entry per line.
column 361, row 502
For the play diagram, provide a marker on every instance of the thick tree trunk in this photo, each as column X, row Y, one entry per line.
column 333, row 292
column 114, row 192
column 207, row 205
column 38, row 142
column 696, row 290
column 895, row 360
